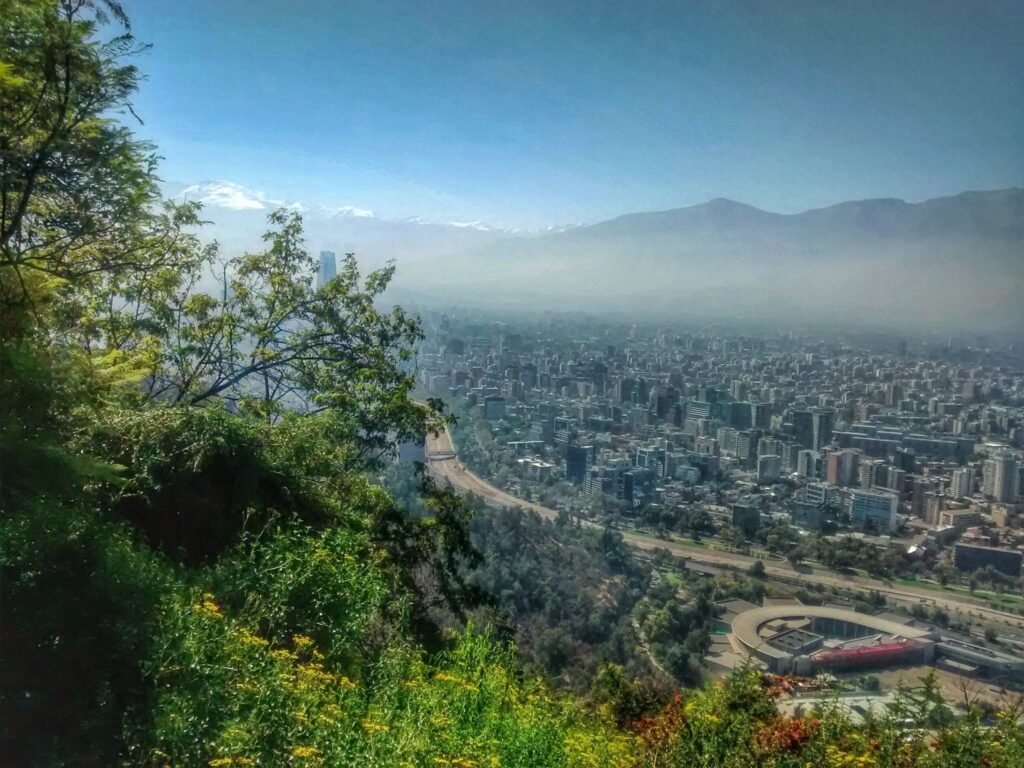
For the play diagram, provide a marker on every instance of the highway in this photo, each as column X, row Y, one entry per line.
column 461, row 478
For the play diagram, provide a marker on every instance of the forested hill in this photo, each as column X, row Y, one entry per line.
column 198, row 566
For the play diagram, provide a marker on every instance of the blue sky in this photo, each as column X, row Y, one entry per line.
column 532, row 113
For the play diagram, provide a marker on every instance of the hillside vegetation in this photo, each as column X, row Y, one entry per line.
column 197, row 567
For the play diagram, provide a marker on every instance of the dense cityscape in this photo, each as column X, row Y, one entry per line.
column 511, row 385
column 890, row 457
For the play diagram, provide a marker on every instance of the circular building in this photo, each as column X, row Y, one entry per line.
column 803, row 639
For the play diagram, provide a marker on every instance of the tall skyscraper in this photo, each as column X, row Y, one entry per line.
column 1001, row 478
column 962, row 484
column 803, row 428
column 328, row 268
column 822, row 420
column 813, row 428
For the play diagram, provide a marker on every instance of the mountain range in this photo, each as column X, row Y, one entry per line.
column 950, row 263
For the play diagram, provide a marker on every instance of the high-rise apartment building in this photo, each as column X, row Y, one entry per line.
column 1001, row 477
column 822, row 421
column 841, row 467
column 962, row 484
column 807, row 463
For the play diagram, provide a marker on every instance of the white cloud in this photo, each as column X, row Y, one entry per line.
column 227, row 194
column 236, row 197
column 470, row 225
column 347, row 211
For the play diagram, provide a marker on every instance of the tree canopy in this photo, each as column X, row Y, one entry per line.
column 197, row 564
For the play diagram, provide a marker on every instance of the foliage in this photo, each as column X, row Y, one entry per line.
column 195, row 567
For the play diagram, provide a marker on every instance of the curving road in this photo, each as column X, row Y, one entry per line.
column 455, row 472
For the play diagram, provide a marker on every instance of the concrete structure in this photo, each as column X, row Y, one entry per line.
column 754, row 631
column 873, row 508
column 768, row 468
column 968, row 557
column 983, row 660
column 1001, row 478
column 807, row 463
column 962, row 484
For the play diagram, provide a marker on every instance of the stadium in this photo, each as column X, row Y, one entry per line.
column 805, row 639
column 787, row 637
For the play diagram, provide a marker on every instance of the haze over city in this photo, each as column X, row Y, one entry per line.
column 480, row 384
column 462, row 141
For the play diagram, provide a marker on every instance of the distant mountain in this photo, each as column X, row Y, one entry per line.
column 948, row 262
column 237, row 218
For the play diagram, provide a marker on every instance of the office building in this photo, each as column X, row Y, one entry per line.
column 803, row 428
column 328, row 269
column 874, row 510
column 746, row 447
column 822, row 421
column 761, row 415
column 822, row 494
column 924, row 489
column 969, row 557
column 769, row 468
column 578, row 461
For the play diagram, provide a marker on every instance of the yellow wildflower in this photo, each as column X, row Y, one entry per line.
column 301, row 642
column 208, row 606
column 314, row 675
column 305, row 752
column 254, row 640
column 372, row 727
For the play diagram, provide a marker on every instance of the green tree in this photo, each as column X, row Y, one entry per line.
column 79, row 202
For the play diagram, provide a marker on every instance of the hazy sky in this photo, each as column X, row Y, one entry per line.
column 528, row 113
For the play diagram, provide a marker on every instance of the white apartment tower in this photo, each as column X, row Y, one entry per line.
column 1001, row 478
